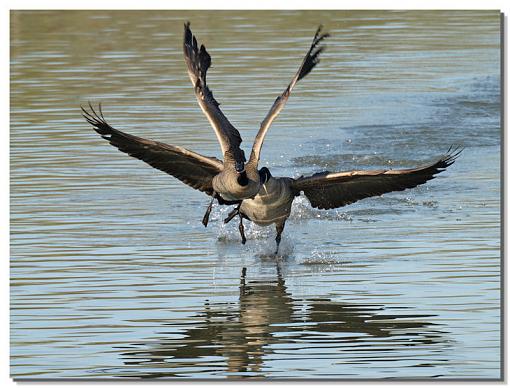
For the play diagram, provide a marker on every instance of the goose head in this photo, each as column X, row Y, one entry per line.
column 239, row 166
column 242, row 177
column 264, row 174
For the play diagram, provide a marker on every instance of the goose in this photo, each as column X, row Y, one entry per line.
column 329, row 190
column 228, row 181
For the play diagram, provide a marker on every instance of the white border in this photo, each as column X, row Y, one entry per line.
column 157, row 4
column 257, row 4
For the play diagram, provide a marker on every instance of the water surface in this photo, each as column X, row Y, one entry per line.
column 112, row 273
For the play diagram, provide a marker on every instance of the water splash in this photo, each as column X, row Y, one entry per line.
column 323, row 261
column 302, row 210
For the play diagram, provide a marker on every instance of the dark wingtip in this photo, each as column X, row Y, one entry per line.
column 198, row 61
column 97, row 120
column 312, row 57
column 188, row 38
column 451, row 155
column 187, row 31
column 318, row 32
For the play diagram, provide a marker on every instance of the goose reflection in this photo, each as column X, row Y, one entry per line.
column 237, row 339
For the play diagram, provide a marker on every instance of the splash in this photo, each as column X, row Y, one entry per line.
column 301, row 210
column 323, row 261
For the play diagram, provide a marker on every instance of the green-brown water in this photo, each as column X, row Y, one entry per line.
column 113, row 275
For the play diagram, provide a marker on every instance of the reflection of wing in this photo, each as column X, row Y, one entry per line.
column 311, row 59
column 242, row 337
column 330, row 190
column 189, row 167
column 198, row 61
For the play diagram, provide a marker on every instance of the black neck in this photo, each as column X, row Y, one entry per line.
column 264, row 175
column 242, row 179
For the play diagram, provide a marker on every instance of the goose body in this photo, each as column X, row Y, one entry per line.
column 234, row 186
column 326, row 190
column 272, row 204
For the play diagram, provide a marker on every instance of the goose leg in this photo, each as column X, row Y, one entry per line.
column 232, row 214
column 241, row 229
column 205, row 220
column 279, row 230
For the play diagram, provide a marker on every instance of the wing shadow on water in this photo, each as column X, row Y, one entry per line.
column 238, row 339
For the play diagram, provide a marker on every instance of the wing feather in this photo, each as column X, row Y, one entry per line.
column 309, row 62
column 327, row 190
column 198, row 62
column 189, row 167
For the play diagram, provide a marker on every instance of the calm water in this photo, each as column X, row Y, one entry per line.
column 113, row 275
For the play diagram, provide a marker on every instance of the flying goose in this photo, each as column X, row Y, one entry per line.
column 231, row 180
column 329, row 190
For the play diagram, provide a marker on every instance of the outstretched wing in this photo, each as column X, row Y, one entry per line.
column 311, row 59
column 198, row 61
column 189, row 167
column 331, row 190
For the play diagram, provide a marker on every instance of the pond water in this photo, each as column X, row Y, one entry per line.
column 113, row 274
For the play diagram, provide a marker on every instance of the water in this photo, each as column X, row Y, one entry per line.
column 113, row 274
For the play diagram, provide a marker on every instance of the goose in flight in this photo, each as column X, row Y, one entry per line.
column 228, row 181
column 328, row 190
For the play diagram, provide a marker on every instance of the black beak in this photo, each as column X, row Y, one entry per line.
column 239, row 167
